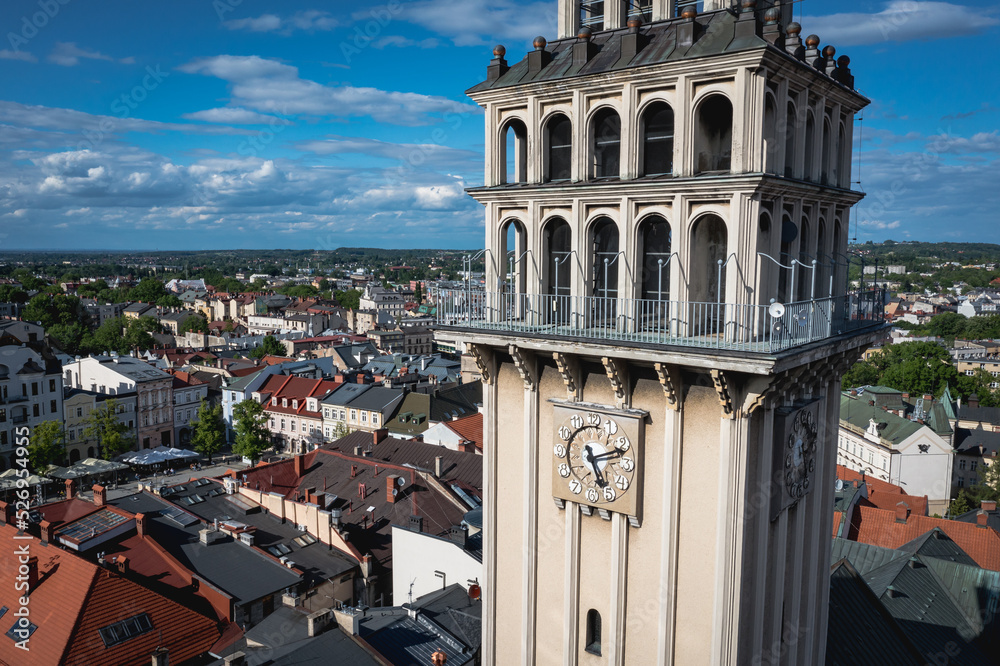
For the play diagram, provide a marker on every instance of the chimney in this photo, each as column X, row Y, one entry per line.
column 70, row 488
column 459, row 535
column 973, row 401
column 988, row 505
column 583, row 49
column 902, row 512
column 891, row 591
column 122, row 563
column 538, row 58
column 393, row 487
column 416, row 523
column 300, row 466
column 7, row 512
column 141, row 524
column 379, row 435
column 687, row 28
column 928, row 397
column 47, row 531
column 100, row 496
column 498, row 66
column 160, row 657
column 438, row 466
column 439, row 658
column 32, row 573
column 906, row 396
column 981, row 518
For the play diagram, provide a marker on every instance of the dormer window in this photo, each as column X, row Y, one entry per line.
column 295, row 404
column 284, row 402
column 274, row 402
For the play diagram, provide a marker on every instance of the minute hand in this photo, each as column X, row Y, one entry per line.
column 615, row 453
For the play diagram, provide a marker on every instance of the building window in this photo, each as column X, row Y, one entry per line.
column 655, row 235
column 961, row 464
column 79, row 412
column 606, row 142
column 52, row 406
column 641, row 8
column 52, row 385
column 790, row 126
column 35, row 409
column 559, row 143
column 593, row 644
column 292, row 424
column 713, row 144
column 592, row 14
column 657, row 139
column 557, row 240
column 973, row 465
column 961, row 482
column 514, row 155
column 282, row 424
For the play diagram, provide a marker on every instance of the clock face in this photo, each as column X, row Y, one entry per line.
column 796, row 444
column 595, row 460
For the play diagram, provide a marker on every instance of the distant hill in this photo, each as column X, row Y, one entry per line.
column 922, row 253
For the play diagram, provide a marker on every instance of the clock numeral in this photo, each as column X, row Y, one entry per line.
column 576, row 421
column 611, row 427
column 594, row 419
column 592, row 495
column 622, row 443
column 575, row 487
column 565, row 433
column 560, row 451
column 621, row 482
column 564, row 470
column 627, row 464
column 609, row 494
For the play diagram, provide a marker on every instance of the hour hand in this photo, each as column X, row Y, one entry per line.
column 613, row 453
column 592, row 459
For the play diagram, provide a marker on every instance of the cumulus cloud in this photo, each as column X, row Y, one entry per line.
column 68, row 54
column 272, row 87
column 309, row 21
column 983, row 142
column 235, row 116
column 901, row 21
column 474, row 23
column 6, row 54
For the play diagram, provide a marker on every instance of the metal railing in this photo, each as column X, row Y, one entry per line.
column 742, row 327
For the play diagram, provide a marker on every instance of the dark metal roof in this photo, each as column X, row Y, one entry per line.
column 862, row 556
column 936, row 543
column 457, row 466
column 378, row 398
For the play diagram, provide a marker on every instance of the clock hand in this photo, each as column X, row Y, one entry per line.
column 614, row 453
column 598, row 476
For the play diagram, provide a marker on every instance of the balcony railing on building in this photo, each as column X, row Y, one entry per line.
column 732, row 326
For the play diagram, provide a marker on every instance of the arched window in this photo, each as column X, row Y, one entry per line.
column 90, row 452
column 770, row 134
column 557, row 238
column 804, row 269
column 593, row 642
column 823, row 257
column 790, row 122
column 654, row 234
column 713, row 145
column 709, row 245
column 766, row 266
column 604, row 246
column 513, row 240
column 74, row 456
column 810, row 157
column 657, row 139
column 559, row 144
column 606, row 142
column 825, row 166
column 514, row 155
column 843, row 177
column 789, row 232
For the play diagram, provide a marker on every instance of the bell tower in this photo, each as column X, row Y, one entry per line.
column 661, row 336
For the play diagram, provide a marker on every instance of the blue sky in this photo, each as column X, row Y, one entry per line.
column 198, row 124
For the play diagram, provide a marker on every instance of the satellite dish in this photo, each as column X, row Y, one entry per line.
column 401, row 482
column 776, row 310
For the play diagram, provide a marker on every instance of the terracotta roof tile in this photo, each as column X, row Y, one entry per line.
column 845, row 474
column 469, row 428
column 878, row 527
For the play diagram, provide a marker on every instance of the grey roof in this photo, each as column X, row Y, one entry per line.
column 138, row 307
column 860, row 630
column 862, row 556
column 980, row 414
column 977, row 442
column 332, row 648
column 240, row 571
column 345, row 393
column 133, row 368
column 412, row 641
column 377, row 398
column 936, row 543
column 457, row 466
column 456, row 612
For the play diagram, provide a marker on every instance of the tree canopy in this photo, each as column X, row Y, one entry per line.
column 209, row 431
column 269, row 347
column 111, row 434
column 46, row 445
column 252, row 436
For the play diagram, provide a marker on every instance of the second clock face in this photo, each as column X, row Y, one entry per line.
column 595, row 459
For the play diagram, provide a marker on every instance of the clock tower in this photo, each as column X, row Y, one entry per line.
column 661, row 335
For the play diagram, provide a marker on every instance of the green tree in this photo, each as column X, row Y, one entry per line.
column 991, row 477
column 959, row 505
column 197, row 324
column 169, row 301
column 47, row 445
column 915, row 367
column 149, row 290
column 11, row 294
column 104, row 426
column 350, row 299
column 947, row 325
column 209, row 431
column 269, row 347
column 252, row 436
column 418, row 293
column 92, row 289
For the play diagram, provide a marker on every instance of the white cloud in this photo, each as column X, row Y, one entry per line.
column 983, row 142
column 273, row 87
column 309, row 21
column 399, row 41
column 17, row 55
column 879, row 224
column 473, row 23
column 235, row 116
column 68, row 54
column 901, row 21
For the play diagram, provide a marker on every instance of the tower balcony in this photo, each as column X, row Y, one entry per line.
column 751, row 328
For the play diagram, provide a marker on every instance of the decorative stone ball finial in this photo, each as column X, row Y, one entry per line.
column 583, row 34
column 749, row 4
column 689, row 12
column 812, row 41
column 772, row 15
column 829, row 52
column 634, row 21
column 793, row 28
column 499, row 51
column 843, row 62
column 540, row 43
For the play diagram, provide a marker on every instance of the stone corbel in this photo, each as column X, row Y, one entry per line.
column 671, row 383
column 724, row 390
column 569, row 369
column 617, row 372
column 524, row 362
column 484, row 361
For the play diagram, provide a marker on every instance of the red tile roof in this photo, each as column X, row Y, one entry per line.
column 888, row 501
column 295, row 388
column 845, row 474
column 469, row 428
column 878, row 527
column 75, row 598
